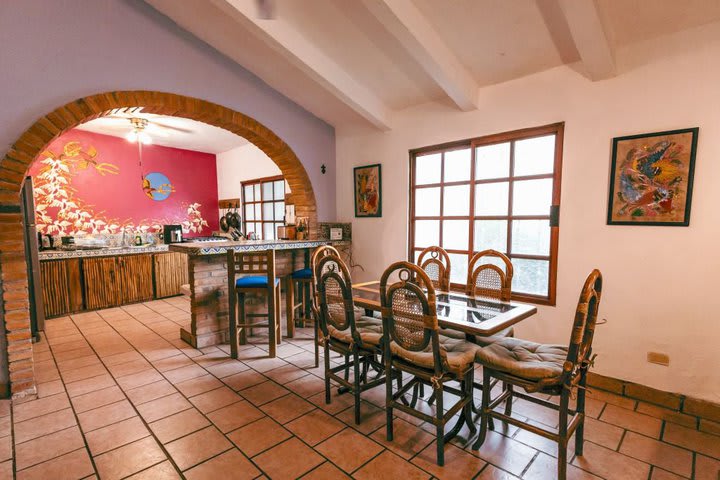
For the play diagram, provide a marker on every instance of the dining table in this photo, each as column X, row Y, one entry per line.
column 475, row 316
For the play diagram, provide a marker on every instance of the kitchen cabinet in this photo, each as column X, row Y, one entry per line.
column 134, row 274
column 171, row 272
column 90, row 283
column 102, row 289
column 62, row 289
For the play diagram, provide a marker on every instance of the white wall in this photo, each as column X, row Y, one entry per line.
column 243, row 163
column 661, row 283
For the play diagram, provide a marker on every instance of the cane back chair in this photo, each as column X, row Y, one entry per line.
column 436, row 263
column 548, row 369
column 413, row 345
column 257, row 275
column 317, row 254
column 356, row 339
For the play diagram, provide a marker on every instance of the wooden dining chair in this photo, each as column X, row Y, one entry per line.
column 413, row 345
column 435, row 261
column 252, row 272
column 547, row 369
column 356, row 339
column 487, row 279
column 315, row 257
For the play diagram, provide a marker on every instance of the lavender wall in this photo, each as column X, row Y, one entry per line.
column 53, row 52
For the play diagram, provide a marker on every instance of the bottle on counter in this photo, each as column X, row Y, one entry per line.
column 138, row 239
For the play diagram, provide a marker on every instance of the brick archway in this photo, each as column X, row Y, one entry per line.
column 14, row 165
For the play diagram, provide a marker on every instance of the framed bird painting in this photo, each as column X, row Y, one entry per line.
column 651, row 178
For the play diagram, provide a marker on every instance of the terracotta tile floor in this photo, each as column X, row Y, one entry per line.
column 121, row 396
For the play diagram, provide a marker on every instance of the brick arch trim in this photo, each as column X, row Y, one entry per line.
column 14, row 165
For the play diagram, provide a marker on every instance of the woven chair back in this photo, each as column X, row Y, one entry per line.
column 488, row 280
column 436, row 263
column 318, row 254
column 580, row 349
column 251, row 263
column 409, row 308
column 335, row 303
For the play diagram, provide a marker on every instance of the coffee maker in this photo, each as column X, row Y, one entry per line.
column 172, row 234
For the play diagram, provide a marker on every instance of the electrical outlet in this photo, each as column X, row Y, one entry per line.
column 658, row 358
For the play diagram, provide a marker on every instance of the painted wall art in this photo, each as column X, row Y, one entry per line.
column 651, row 178
column 92, row 183
column 368, row 191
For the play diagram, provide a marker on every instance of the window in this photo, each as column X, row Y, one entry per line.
column 264, row 204
column 493, row 192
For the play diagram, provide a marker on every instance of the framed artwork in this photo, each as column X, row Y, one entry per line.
column 368, row 188
column 651, row 178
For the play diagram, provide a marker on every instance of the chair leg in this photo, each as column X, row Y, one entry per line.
column 509, row 401
column 306, row 301
column 233, row 325
column 467, row 410
column 289, row 306
column 356, row 386
column 278, row 317
column 317, row 345
column 580, row 409
column 439, row 425
column 243, row 321
column 327, row 374
column 562, row 433
column 388, row 400
column 272, row 330
column 484, row 410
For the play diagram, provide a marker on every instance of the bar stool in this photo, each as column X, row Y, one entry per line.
column 258, row 270
column 298, row 285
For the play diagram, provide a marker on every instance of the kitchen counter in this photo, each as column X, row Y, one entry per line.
column 217, row 248
column 208, row 279
column 101, row 252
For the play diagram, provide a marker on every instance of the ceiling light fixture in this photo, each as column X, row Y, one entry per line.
column 138, row 133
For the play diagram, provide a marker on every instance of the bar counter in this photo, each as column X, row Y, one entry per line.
column 207, row 268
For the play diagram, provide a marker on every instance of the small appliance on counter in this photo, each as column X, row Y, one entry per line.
column 172, row 234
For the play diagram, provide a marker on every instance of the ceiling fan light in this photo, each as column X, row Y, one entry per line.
column 132, row 136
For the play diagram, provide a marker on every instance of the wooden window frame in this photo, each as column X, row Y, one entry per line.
column 558, row 129
column 253, row 182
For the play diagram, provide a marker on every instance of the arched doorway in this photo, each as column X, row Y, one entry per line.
column 14, row 165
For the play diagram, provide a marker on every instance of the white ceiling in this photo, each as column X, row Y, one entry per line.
column 184, row 133
column 355, row 62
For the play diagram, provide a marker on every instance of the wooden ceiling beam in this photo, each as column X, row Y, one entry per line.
column 420, row 40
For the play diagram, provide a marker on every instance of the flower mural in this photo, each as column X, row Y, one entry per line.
column 59, row 209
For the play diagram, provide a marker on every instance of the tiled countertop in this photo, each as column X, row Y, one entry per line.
column 103, row 252
column 218, row 248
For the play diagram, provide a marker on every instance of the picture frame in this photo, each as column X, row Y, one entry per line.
column 367, row 186
column 651, row 178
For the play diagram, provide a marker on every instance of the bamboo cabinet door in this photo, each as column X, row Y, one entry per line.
column 102, row 289
column 61, row 286
column 135, row 278
column 171, row 272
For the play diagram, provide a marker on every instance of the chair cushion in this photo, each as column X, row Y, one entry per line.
column 253, row 281
column 528, row 360
column 460, row 354
column 369, row 328
column 479, row 339
column 303, row 274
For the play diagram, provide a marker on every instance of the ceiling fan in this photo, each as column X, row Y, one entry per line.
column 139, row 126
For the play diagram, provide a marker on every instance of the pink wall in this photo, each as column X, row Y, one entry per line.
column 119, row 199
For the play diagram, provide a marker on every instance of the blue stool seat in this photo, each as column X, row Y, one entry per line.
column 254, row 281
column 304, row 274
